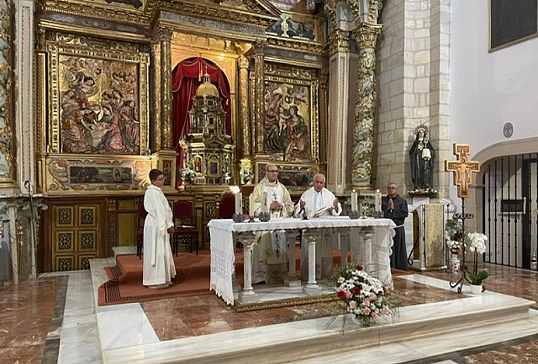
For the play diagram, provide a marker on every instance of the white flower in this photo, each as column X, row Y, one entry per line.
column 477, row 242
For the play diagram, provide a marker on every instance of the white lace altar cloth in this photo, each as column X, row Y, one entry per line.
column 223, row 247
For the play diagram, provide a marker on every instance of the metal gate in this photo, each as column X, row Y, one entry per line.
column 510, row 210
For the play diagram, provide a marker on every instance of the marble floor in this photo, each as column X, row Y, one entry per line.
column 55, row 319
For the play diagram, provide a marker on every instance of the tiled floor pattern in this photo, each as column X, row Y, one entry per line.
column 54, row 319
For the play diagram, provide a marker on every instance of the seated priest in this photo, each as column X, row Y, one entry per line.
column 318, row 202
column 270, row 254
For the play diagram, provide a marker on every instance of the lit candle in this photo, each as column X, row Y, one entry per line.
column 238, row 197
column 378, row 200
column 251, row 206
column 354, row 201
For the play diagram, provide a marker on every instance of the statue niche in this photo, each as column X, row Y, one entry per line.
column 207, row 148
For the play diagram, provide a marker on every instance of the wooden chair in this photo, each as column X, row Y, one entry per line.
column 142, row 213
column 226, row 206
column 185, row 226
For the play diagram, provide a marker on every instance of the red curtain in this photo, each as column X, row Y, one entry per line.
column 186, row 78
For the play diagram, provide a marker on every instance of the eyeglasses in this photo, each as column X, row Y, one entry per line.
column 274, row 171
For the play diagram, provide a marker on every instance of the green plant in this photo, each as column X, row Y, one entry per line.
column 476, row 278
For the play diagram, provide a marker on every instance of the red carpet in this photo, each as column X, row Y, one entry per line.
column 125, row 279
column 192, row 278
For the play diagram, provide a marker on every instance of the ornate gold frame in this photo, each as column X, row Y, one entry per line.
column 312, row 114
column 55, row 167
column 289, row 171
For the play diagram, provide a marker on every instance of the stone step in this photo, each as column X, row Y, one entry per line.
column 301, row 340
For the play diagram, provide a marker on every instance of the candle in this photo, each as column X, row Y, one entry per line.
column 238, row 197
column 251, row 206
column 265, row 207
column 354, row 201
column 378, row 200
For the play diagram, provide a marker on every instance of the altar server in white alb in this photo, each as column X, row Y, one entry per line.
column 318, row 202
column 159, row 267
column 271, row 249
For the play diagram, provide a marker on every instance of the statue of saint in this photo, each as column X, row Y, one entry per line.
column 421, row 154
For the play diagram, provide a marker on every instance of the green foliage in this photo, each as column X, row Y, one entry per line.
column 476, row 277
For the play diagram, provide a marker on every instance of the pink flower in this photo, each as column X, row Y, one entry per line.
column 341, row 280
column 373, row 296
column 366, row 311
column 366, row 303
column 352, row 304
column 349, row 294
column 375, row 315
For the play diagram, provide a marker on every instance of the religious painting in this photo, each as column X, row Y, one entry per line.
column 99, row 175
column 294, row 177
column 512, row 21
column 290, row 123
column 167, row 172
column 99, row 106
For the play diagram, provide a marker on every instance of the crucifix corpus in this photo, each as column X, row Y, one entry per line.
column 462, row 168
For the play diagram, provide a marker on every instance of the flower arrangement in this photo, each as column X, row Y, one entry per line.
column 362, row 295
column 454, row 236
column 477, row 245
column 188, row 174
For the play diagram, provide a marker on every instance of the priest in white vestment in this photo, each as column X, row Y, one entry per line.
column 159, row 267
column 270, row 254
column 315, row 203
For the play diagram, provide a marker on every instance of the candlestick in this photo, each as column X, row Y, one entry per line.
column 354, row 201
column 378, row 200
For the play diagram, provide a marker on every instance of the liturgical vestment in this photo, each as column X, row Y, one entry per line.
column 159, row 267
column 318, row 201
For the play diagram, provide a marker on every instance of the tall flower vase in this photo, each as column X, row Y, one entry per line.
column 455, row 263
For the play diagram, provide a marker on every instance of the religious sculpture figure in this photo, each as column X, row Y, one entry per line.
column 421, row 155
column 299, row 137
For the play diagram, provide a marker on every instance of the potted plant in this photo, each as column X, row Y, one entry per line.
column 477, row 245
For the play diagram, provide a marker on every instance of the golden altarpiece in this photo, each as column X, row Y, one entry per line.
column 104, row 115
column 207, row 148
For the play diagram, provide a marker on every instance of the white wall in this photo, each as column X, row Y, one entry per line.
column 489, row 89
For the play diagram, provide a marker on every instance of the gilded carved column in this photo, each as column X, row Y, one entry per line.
column 244, row 121
column 323, row 96
column 155, row 117
column 165, row 37
column 7, row 138
column 365, row 104
column 258, row 100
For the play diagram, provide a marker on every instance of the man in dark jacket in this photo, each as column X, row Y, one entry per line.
column 394, row 207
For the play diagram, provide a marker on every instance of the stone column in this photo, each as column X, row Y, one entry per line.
column 165, row 37
column 244, row 121
column 365, row 104
column 339, row 59
column 258, row 100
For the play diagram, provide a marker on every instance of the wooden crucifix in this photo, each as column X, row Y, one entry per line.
column 462, row 168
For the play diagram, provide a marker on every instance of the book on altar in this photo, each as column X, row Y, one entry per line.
column 320, row 212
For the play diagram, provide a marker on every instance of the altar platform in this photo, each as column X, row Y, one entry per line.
column 143, row 333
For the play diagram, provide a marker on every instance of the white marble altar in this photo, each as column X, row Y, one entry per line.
column 370, row 241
